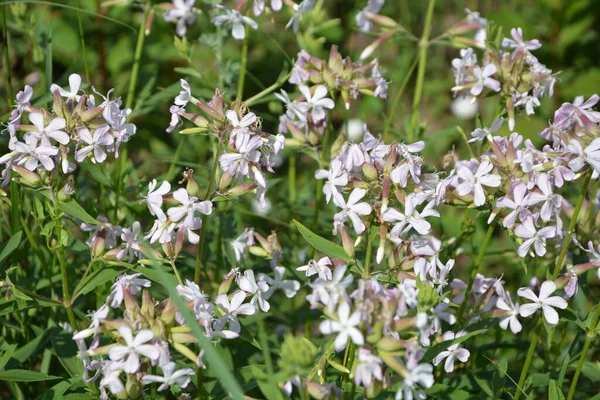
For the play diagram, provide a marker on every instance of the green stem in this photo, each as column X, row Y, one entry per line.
column 388, row 121
column 528, row 359
column 366, row 272
column 82, row 39
column 424, row 45
column 65, row 283
column 292, row 178
column 176, row 272
column 138, row 56
column 588, row 341
column 572, row 224
column 474, row 272
column 254, row 99
column 211, row 181
column 10, row 90
column 244, row 62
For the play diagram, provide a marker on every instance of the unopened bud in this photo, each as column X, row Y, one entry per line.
column 347, row 242
column 192, row 186
column 225, row 181
column 133, row 387
column 241, row 189
column 370, row 171
column 27, row 177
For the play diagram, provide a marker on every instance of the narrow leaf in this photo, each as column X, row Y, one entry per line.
column 72, row 208
column 11, row 245
column 23, row 375
column 331, row 249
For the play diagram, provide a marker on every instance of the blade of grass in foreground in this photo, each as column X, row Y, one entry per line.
column 230, row 384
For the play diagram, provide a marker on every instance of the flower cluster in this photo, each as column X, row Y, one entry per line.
column 513, row 72
column 74, row 131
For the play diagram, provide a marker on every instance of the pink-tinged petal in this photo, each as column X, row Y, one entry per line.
column 60, row 136
column 479, row 197
column 320, row 92
column 547, row 288
column 491, row 180
column 126, row 334
column 181, row 195
column 556, row 301
column 528, row 294
column 438, row 359
column 357, row 336
column 74, row 83
column 528, row 309
column 177, row 213
column 489, row 70
column 392, row 215
column 359, row 226
column 237, row 299
column 164, row 188
column 142, row 337
column 116, row 353
column 463, row 354
column 343, row 312
column 328, row 327
column 550, row 314
column 362, row 208
column 305, row 92
column 547, row 232
column 477, row 88
column 515, row 325
column 132, row 364
column 99, row 154
column 449, row 364
column 540, row 247
column 355, row 196
column 84, row 134
column 56, row 124
column 341, row 340
column 233, row 117
column 149, row 351
column 37, row 119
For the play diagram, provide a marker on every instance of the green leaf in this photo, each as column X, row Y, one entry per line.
column 438, row 348
column 65, row 349
column 554, row 392
column 563, row 370
column 23, row 375
column 11, row 245
column 73, row 208
column 331, row 249
column 483, row 385
column 57, row 391
column 97, row 278
column 188, row 71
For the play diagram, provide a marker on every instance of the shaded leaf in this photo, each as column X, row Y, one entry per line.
column 331, row 249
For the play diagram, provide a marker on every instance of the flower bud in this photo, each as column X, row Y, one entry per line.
column 148, row 307
column 133, row 387
column 225, row 181
column 67, row 190
column 370, row 171
column 389, row 344
column 28, row 178
column 241, row 189
column 347, row 242
column 192, row 186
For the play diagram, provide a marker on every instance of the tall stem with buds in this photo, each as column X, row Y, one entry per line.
column 561, row 258
column 423, row 47
column 474, row 272
column 588, row 341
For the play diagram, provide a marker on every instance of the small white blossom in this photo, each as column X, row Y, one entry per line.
column 543, row 301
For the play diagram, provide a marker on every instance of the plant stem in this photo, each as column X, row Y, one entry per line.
column 423, row 46
column 388, row 121
column 137, row 56
column 370, row 237
column 572, row 224
column 474, row 272
column 588, row 341
column 528, row 359
column 65, row 282
column 176, row 272
column 244, row 62
column 292, row 178
column 82, row 39
column 211, row 181
column 254, row 99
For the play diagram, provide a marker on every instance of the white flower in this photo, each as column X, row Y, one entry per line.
column 484, row 78
column 552, row 202
column 481, row 133
column 544, row 301
column 259, row 289
column 185, row 95
column 34, row 155
column 505, row 303
column 345, row 327
column 330, row 291
column 259, row 6
column 527, row 231
column 240, row 128
column 518, row 43
column 232, row 310
column 419, row 376
column 474, row 182
column 369, row 368
column 317, row 102
column 132, row 283
column 320, row 267
column 236, row 20
column 74, row 85
column 130, row 238
column 335, row 177
column 182, row 11
column 590, row 155
column 170, row 377
column 133, row 349
column 411, row 217
column 241, row 242
column 289, row 287
column 352, row 209
column 202, row 308
column 155, row 198
column 453, row 352
column 94, row 143
column 189, row 207
column 52, row 131
column 301, row 9
column 518, row 205
column 293, row 109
